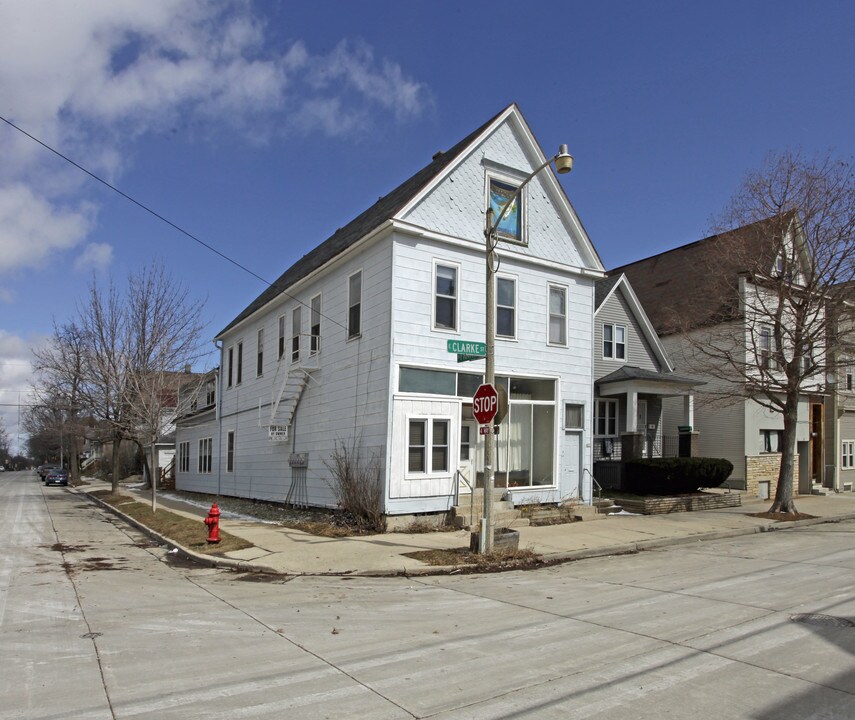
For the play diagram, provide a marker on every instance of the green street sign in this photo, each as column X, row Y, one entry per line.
column 467, row 358
column 467, row 347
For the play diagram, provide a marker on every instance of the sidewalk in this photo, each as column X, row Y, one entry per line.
column 284, row 550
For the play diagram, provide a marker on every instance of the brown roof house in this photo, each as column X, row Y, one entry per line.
column 713, row 304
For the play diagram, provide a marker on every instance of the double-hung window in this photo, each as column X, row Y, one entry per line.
column 605, row 418
column 511, row 225
column 614, row 341
column 315, row 346
column 296, row 324
column 766, row 346
column 354, row 305
column 506, row 303
column 848, row 456
column 281, row 336
column 428, row 449
column 259, row 355
column 239, row 363
column 205, row 447
column 230, row 369
column 445, row 297
column 184, row 456
column 557, row 315
column 230, row 451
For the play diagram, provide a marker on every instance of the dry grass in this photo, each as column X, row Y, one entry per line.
column 460, row 557
column 782, row 517
column 187, row 532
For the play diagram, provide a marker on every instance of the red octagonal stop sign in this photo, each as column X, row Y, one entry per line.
column 485, row 404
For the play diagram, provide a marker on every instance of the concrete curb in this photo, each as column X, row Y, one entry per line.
column 229, row 563
column 555, row 558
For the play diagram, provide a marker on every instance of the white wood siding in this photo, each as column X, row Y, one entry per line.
column 456, row 207
column 344, row 403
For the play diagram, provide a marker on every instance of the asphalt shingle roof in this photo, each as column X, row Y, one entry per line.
column 381, row 211
column 697, row 284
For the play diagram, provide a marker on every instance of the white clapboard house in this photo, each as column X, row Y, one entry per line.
column 350, row 346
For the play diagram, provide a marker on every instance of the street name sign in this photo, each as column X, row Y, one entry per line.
column 467, row 347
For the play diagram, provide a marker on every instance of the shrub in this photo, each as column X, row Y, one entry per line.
column 357, row 486
column 675, row 476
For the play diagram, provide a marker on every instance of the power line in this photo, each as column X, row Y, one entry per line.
column 160, row 217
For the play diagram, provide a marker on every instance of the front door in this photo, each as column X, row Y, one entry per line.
column 468, row 456
column 816, row 442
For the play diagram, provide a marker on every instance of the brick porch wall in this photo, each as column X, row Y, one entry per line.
column 765, row 468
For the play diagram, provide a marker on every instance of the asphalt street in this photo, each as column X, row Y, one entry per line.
column 97, row 622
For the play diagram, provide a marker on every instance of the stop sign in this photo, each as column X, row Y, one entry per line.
column 485, row 404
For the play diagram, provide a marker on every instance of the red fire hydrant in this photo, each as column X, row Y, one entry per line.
column 213, row 523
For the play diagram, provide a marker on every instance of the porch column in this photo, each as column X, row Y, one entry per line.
column 689, row 409
column 632, row 411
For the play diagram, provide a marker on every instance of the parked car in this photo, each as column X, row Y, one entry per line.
column 44, row 469
column 56, row 476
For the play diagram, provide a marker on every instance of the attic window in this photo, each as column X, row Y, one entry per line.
column 510, row 228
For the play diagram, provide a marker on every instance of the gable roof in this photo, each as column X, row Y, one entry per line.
column 375, row 216
column 697, row 285
column 605, row 288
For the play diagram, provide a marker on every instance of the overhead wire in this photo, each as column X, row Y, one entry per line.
column 160, row 217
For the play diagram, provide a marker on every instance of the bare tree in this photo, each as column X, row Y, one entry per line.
column 163, row 338
column 59, row 368
column 777, row 278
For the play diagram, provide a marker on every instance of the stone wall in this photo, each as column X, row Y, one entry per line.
column 765, row 468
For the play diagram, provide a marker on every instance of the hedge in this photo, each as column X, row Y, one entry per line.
column 675, row 476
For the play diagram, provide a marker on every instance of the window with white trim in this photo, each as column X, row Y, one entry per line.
column 511, row 226
column 557, row 322
column 315, row 344
column 605, row 418
column 428, row 449
column 281, row 336
column 239, row 373
column 206, row 446
column 466, row 442
column 506, row 303
column 771, row 440
column 848, row 373
column 574, row 416
column 230, row 451
column 847, row 460
column 445, row 296
column 230, row 364
column 184, row 456
column 296, row 325
column 259, row 354
column 766, row 346
column 614, row 341
column 354, row 305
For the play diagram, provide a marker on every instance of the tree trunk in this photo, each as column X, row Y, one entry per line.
column 117, row 461
column 74, row 460
column 784, row 502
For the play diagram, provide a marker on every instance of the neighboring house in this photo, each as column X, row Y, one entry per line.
column 633, row 376
column 355, row 345
column 840, row 406
column 690, row 291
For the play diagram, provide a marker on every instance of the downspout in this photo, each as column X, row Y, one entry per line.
column 219, row 417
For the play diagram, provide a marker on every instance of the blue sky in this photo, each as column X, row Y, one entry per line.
column 262, row 127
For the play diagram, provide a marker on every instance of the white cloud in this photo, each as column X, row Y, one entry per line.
column 89, row 78
column 31, row 227
column 95, row 257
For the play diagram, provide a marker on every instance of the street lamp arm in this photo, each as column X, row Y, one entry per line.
column 564, row 163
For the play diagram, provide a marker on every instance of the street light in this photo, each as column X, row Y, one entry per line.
column 563, row 164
